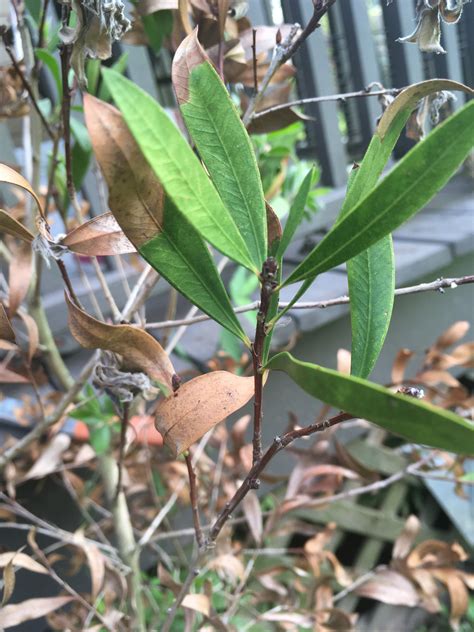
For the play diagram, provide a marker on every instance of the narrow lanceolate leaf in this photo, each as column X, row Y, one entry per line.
column 407, row 188
column 296, row 213
column 17, row 613
column 371, row 278
column 178, row 169
column 405, row 416
column 6, row 329
column 222, row 142
column 99, row 237
column 10, row 176
column 183, row 259
column 140, row 351
column 157, row 229
column 371, row 274
column 11, row 226
column 200, row 404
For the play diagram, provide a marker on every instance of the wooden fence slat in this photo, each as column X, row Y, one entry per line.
column 362, row 62
column 315, row 78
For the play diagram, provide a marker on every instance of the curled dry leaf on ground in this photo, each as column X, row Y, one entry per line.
column 418, row 574
column 200, row 404
column 139, row 350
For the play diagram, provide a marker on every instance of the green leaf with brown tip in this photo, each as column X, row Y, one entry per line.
column 161, row 234
column 403, row 415
column 177, row 168
column 222, row 142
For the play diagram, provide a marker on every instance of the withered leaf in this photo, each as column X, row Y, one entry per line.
column 19, row 275
column 21, row 560
column 253, row 515
column 10, row 176
column 199, row 603
column 11, row 377
column 13, row 227
column 6, row 330
column 454, row 333
column 140, row 351
column 390, row 587
column 96, row 563
column 50, row 459
column 99, row 237
column 8, row 580
column 199, row 405
column 274, row 229
column 17, row 613
column 135, row 195
column 399, row 365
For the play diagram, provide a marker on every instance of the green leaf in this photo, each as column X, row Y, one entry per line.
column 119, row 66
column 371, row 274
column 407, row 188
column 403, row 415
column 100, row 438
column 296, row 213
column 158, row 25
column 222, row 142
column 50, row 61
column 177, row 168
column 183, row 259
column 371, row 277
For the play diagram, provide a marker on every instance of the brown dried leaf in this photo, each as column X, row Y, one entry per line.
column 271, row 584
column 400, row 365
column 13, row 227
column 238, row 432
column 200, row 404
column 6, row 330
column 10, row 176
column 99, row 237
column 274, row 229
column 199, row 603
column 189, row 55
column 11, row 377
column 50, row 459
column 21, row 560
column 135, row 195
column 140, row 351
column 436, row 553
column 32, row 332
column 31, row 609
column 8, row 580
column 19, row 275
column 454, row 333
column 405, row 540
column 458, row 594
column 433, row 377
column 390, row 587
column 96, row 563
column 253, row 515
column 229, row 565
column 346, row 459
column 183, row 9
column 167, row 580
column 274, row 121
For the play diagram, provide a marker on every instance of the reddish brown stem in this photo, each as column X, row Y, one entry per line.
column 268, row 280
column 194, row 500
column 279, row 443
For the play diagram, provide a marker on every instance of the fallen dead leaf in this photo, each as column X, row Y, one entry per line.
column 13, row 227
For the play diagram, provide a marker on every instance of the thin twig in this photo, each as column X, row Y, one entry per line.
column 193, row 494
column 320, row 9
column 26, row 84
column 268, row 279
column 254, row 59
column 331, row 97
column 64, row 585
column 437, row 286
